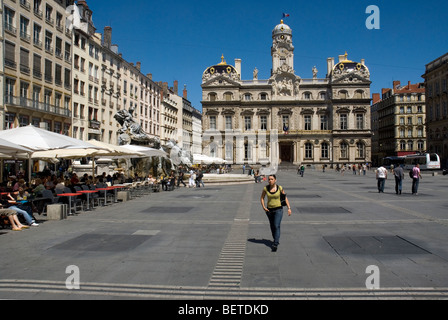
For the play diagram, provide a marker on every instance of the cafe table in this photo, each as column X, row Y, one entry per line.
column 105, row 193
column 88, row 192
column 70, row 196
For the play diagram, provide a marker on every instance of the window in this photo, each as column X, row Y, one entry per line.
column 344, row 150
column 308, row 151
column 307, row 96
column 410, row 145
column 401, row 133
column 24, row 61
column 9, row 120
column 48, row 70
column 420, row 145
column 24, row 23
column 343, row 122
column 401, row 110
column 402, row 145
column 48, row 41
column 323, row 122
column 213, row 122
column 343, row 95
column 323, row 95
column 10, row 54
column 324, row 150
column 402, row 121
column 307, row 119
column 360, row 150
column 285, row 122
column 410, row 133
column 247, row 123
column 228, row 96
column 247, row 97
column 358, row 94
column 37, row 35
column 9, row 20
column 409, row 110
column 360, row 121
column 264, row 122
column 410, row 120
column 212, row 96
column 263, row 96
column 229, row 122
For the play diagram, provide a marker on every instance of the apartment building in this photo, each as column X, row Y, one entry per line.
column 104, row 83
column 400, row 114
column 37, row 65
column 436, row 79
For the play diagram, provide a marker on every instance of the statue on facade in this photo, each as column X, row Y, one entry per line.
column 255, row 74
column 315, row 71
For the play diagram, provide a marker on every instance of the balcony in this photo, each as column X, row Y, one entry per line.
column 94, row 124
column 36, row 106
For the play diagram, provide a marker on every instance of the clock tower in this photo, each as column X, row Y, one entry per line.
column 282, row 50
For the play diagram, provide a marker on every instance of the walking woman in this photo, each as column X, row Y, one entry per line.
column 274, row 209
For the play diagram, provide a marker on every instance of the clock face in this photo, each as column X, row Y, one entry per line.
column 283, row 52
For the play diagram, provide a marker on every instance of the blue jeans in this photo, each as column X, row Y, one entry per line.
column 275, row 217
column 25, row 214
column 415, row 182
column 398, row 184
column 381, row 183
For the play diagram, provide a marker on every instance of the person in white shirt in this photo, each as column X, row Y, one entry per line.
column 381, row 176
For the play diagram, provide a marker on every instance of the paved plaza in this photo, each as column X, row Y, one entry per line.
column 214, row 243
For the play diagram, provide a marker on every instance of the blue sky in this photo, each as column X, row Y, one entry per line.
column 178, row 40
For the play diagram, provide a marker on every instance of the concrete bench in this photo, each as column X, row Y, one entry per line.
column 57, row 211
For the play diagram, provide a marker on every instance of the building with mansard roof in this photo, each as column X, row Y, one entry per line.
column 287, row 119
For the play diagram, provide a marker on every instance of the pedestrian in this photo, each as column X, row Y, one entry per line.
column 274, row 209
column 399, row 176
column 191, row 180
column 416, row 176
column 244, row 168
column 199, row 179
column 364, row 169
column 381, row 176
column 302, row 170
column 180, row 178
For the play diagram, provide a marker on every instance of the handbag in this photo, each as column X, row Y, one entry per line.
column 282, row 198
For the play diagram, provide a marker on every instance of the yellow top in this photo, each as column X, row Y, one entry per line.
column 273, row 198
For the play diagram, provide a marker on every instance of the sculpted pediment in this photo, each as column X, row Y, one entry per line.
column 221, row 81
column 350, row 78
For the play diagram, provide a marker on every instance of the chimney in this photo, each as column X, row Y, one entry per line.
column 238, row 66
column 139, row 65
column 185, row 91
column 176, row 87
column 375, row 98
column 149, row 75
column 107, row 37
column 330, row 66
column 396, row 84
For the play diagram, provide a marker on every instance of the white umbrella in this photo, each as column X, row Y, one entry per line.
column 8, row 148
column 38, row 139
column 146, row 151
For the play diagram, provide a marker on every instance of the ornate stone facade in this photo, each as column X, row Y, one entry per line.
column 316, row 120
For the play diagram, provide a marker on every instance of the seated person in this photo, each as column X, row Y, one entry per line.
column 12, row 217
column 23, row 209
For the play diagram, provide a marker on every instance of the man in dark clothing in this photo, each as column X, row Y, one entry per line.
column 399, row 176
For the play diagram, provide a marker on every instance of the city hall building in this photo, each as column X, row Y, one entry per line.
column 287, row 119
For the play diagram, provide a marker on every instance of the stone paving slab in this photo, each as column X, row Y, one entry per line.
column 216, row 241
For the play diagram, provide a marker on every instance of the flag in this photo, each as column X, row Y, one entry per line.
column 285, row 15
